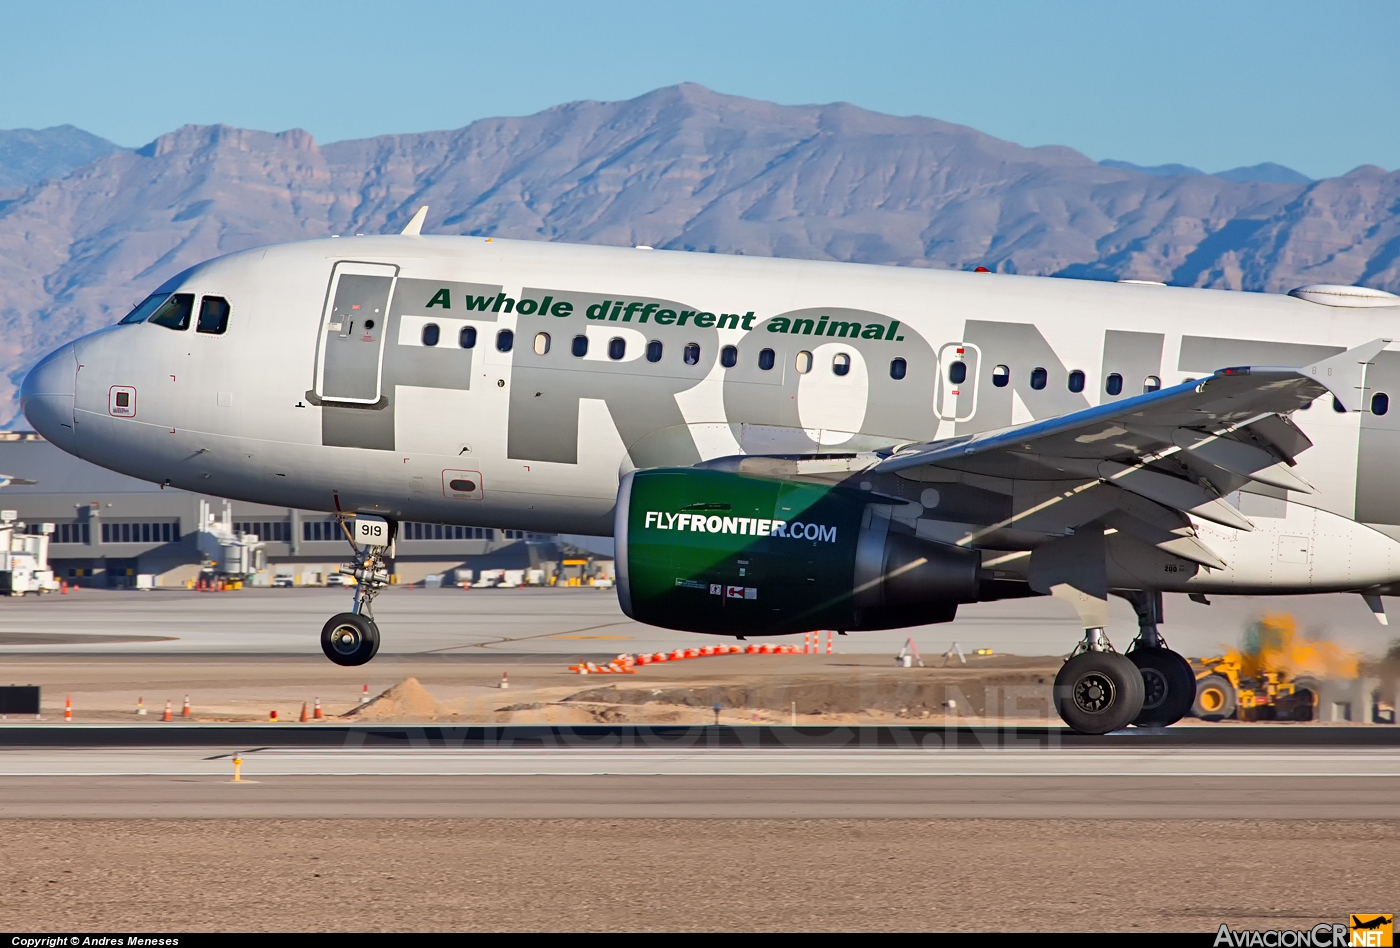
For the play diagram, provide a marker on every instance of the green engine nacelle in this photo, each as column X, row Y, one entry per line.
column 734, row 554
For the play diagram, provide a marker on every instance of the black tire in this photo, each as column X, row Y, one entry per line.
column 1168, row 686
column 348, row 639
column 1215, row 698
column 1098, row 692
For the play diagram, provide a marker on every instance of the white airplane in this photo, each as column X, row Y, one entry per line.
column 775, row 445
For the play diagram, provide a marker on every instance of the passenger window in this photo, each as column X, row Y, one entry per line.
column 804, row 362
column 898, row 368
column 175, row 312
column 617, row 348
column 541, row 343
column 766, row 359
column 841, row 364
column 1337, row 406
column 654, row 351
column 144, row 309
column 728, row 357
column 1151, row 384
column 467, row 337
column 505, row 340
column 580, row 346
column 213, row 315
column 957, row 373
column 692, row 353
column 431, row 334
column 1039, row 377
column 1380, row 403
column 1076, row 381
column 1113, row 385
column 1001, row 375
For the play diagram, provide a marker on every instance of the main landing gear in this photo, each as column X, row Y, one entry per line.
column 1098, row 690
column 352, row 638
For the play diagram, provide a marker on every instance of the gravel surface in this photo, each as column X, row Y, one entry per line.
column 740, row 875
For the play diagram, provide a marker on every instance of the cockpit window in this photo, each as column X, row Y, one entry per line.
column 213, row 315
column 175, row 312
column 145, row 308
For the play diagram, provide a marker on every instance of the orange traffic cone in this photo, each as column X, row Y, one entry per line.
column 364, row 696
column 272, row 716
column 304, row 718
column 317, row 712
column 185, row 711
column 141, row 706
column 168, row 716
column 68, row 709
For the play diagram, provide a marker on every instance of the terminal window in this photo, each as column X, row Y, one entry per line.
column 72, row 533
column 268, row 531
column 445, row 531
column 163, row 532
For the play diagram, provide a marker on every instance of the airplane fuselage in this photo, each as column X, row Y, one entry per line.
column 511, row 384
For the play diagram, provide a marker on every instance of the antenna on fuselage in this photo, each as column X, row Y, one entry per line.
column 414, row 228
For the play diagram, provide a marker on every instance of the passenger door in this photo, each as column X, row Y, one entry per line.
column 956, row 394
column 353, row 329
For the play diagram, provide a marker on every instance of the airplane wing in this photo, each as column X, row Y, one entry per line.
column 1183, row 447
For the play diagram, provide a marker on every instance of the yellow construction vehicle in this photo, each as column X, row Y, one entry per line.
column 1272, row 677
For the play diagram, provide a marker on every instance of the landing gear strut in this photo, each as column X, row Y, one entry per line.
column 1169, row 683
column 352, row 638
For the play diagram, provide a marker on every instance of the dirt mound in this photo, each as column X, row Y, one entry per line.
column 910, row 693
column 406, row 701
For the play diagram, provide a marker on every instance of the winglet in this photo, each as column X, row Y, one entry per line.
column 414, row 228
column 1344, row 374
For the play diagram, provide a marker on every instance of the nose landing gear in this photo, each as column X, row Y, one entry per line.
column 352, row 638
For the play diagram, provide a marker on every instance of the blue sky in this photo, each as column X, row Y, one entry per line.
column 1212, row 84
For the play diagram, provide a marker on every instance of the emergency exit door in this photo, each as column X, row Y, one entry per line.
column 353, row 330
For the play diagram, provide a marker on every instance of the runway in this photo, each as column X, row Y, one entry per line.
column 617, row 773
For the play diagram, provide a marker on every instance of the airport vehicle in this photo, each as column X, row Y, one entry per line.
column 775, row 445
column 24, row 558
column 1223, row 692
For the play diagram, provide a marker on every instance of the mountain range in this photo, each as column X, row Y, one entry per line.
column 88, row 234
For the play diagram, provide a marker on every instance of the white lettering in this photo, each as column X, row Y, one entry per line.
column 715, row 524
column 682, row 521
column 670, row 521
column 731, row 525
column 829, row 534
column 697, row 523
column 652, row 515
column 744, row 524
column 812, row 531
column 779, row 528
column 1222, row 935
column 764, row 527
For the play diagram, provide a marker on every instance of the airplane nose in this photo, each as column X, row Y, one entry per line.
column 46, row 397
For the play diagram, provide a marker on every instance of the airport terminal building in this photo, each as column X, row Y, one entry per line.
column 108, row 529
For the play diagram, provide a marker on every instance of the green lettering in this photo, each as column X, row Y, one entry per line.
column 562, row 308
column 685, row 314
column 704, row 320
column 503, row 299
column 894, row 326
column 479, row 302
column 731, row 318
column 835, row 329
column 526, row 307
column 598, row 310
column 748, row 320
column 803, row 326
column 544, row 305
column 778, row 324
column 873, row 331
column 666, row 316
column 442, row 297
